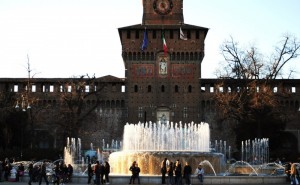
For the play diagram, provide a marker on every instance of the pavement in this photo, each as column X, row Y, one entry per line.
column 35, row 183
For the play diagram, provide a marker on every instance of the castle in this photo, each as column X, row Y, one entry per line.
column 162, row 59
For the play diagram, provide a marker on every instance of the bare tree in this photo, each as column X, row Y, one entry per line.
column 251, row 64
column 251, row 98
column 74, row 109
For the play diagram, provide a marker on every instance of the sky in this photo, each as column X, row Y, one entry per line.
column 66, row 38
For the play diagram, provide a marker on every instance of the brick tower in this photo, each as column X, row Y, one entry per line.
column 163, row 66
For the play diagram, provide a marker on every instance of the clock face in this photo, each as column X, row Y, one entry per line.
column 162, row 7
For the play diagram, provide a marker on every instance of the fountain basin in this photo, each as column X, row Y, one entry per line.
column 150, row 161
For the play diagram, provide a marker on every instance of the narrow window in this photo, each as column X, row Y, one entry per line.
column 154, row 34
column 176, row 88
column 190, row 88
column 137, row 34
column 135, row 88
column 162, row 88
column 33, row 88
column 149, row 88
column 51, row 89
column 202, row 87
column 171, row 34
column 87, row 88
column 197, row 34
column 128, row 34
column 188, row 33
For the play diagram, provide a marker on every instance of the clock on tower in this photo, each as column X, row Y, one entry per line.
column 162, row 12
column 163, row 7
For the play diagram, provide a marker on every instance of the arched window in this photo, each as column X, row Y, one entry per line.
column 186, row 56
column 149, row 88
column 191, row 56
column 190, row 89
column 162, row 88
column 176, row 88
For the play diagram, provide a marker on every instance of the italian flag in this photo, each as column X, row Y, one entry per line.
column 164, row 44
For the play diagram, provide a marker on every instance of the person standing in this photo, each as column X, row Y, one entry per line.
column 97, row 172
column 106, row 171
column 294, row 179
column 171, row 174
column 57, row 174
column 90, row 173
column 43, row 173
column 1, row 170
column 136, row 172
column 187, row 171
column 163, row 171
column 200, row 173
column 69, row 172
column 178, row 178
column 102, row 173
column 132, row 171
column 7, row 168
column 30, row 173
column 288, row 172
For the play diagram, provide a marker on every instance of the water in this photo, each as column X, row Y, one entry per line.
column 166, row 137
column 149, row 143
column 206, row 162
column 255, row 151
column 241, row 168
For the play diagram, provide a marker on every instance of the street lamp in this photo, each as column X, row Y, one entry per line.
column 24, row 101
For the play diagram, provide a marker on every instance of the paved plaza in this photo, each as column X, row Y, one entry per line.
column 35, row 183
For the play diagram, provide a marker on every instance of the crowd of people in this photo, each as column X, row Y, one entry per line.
column 36, row 173
column 10, row 173
column 176, row 174
column 100, row 171
column 292, row 171
column 171, row 173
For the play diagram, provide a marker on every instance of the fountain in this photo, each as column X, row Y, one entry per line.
column 150, row 143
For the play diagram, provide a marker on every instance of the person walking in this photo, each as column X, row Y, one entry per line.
column 30, row 173
column 57, row 174
column 200, row 173
column 163, row 171
column 187, row 171
column 43, row 173
column 106, row 171
column 90, row 173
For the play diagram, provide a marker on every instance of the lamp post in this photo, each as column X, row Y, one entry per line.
column 23, row 102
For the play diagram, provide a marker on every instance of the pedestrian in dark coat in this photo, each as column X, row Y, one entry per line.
column 90, row 173
column 30, row 173
column 163, row 171
column 187, row 171
column 178, row 174
column 106, row 172
column 132, row 171
column 97, row 172
column 43, row 173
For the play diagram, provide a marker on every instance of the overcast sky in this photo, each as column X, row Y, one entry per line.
column 64, row 38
